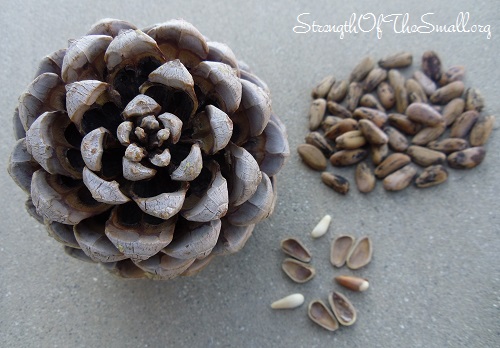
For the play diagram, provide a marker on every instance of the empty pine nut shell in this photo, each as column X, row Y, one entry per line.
column 340, row 248
column 295, row 248
column 319, row 313
column 298, row 271
column 360, row 254
column 343, row 309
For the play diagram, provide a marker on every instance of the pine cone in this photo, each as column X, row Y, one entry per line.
column 150, row 151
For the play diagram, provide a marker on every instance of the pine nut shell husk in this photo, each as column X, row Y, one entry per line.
column 320, row 314
column 343, row 309
column 299, row 272
column 296, row 249
column 360, row 254
column 340, row 248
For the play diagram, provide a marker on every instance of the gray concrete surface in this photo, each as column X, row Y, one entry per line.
column 435, row 272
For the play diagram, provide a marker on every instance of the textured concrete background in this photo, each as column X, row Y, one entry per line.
column 435, row 272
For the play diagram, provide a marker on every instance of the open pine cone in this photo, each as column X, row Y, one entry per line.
column 150, row 151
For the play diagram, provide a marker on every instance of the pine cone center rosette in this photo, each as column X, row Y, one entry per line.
column 150, row 151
